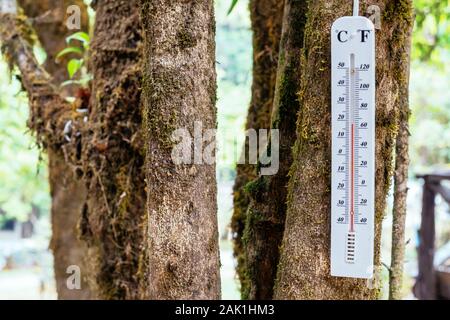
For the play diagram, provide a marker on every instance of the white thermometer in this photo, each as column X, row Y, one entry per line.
column 353, row 147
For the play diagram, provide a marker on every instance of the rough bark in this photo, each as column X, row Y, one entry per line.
column 400, row 179
column 68, row 195
column 67, row 192
column 267, row 209
column 304, row 269
column 266, row 18
column 112, row 152
column 179, row 89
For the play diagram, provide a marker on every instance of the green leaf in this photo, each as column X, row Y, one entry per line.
column 69, row 50
column 73, row 66
column 80, row 36
column 233, row 4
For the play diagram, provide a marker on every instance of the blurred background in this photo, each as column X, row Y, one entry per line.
column 25, row 261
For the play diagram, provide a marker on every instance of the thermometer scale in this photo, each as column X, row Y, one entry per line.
column 353, row 146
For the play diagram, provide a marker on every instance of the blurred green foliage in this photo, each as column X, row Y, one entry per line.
column 430, row 119
column 430, row 84
column 23, row 175
column 432, row 31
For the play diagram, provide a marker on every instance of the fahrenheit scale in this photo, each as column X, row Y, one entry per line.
column 353, row 147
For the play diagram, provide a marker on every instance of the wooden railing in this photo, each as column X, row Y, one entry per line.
column 426, row 287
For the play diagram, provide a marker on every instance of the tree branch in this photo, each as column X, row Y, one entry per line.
column 49, row 113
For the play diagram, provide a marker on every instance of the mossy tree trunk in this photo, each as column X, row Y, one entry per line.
column 266, row 18
column 179, row 89
column 112, row 155
column 67, row 192
column 267, row 209
column 304, row 269
column 399, row 209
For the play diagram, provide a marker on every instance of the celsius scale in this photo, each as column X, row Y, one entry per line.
column 353, row 146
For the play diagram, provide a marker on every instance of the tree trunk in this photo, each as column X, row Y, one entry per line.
column 179, row 92
column 68, row 193
column 304, row 269
column 112, row 154
column 266, row 17
column 400, row 181
column 267, row 210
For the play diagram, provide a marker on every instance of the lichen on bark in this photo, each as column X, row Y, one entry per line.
column 179, row 89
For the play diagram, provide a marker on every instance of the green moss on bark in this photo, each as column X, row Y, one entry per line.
column 266, row 17
column 267, row 208
column 112, row 152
